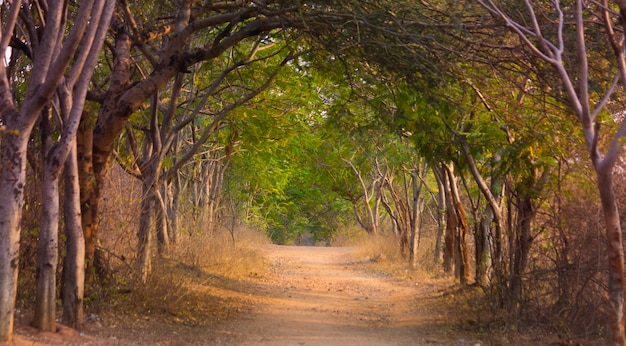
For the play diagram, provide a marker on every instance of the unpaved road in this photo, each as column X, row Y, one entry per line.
column 319, row 296
column 312, row 296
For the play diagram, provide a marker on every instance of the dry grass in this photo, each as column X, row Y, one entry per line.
column 467, row 308
column 382, row 254
column 199, row 282
column 196, row 282
column 222, row 253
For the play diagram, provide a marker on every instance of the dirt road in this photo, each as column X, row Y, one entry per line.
column 320, row 296
column 311, row 296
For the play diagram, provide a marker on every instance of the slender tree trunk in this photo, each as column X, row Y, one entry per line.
column 172, row 209
column 145, row 233
column 415, row 218
column 163, row 240
column 462, row 263
column 88, row 190
column 464, row 260
column 523, row 242
column 485, row 230
column 450, row 230
column 48, row 245
column 74, row 263
column 440, row 217
column 208, row 180
column 615, row 253
column 483, row 253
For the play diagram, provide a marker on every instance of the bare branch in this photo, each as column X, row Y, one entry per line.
column 7, row 31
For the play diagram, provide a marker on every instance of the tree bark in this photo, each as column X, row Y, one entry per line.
column 521, row 247
column 415, row 217
column 72, row 292
column 483, row 253
column 172, row 207
column 450, row 232
column 48, row 245
column 163, row 238
column 458, row 228
column 615, row 253
column 440, row 217
column 88, row 189
column 12, row 180
column 145, row 233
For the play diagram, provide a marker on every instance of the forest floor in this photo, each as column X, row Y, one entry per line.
column 308, row 296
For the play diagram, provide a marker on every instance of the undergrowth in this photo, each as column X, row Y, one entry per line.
column 469, row 309
column 190, row 285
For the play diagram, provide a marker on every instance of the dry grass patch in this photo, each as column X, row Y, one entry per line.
column 201, row 281
column 382, row 254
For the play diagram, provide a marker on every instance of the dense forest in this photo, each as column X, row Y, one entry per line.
column 494, row 128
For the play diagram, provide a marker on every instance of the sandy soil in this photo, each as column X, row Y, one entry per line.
column 323, row 298
column 313, row 296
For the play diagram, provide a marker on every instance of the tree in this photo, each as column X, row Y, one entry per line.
column 590, row 94
column 51, row 54
column 230, row 88
column 196, row 33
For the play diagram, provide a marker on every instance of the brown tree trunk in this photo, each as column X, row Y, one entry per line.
column 48, row 245
column 521, row 247
column 457, row 212
column 450, row 230
column 486, row 230
column 74, row 264
column 88, row 189
column 465, row 268
column 145, row 233
column 615, row 254
column 441, row 212
column 163, row 238
column 415, row 217
column 172, row 207
column 12, row 180
column 483, row 230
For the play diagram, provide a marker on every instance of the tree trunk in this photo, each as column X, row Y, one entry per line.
column 52, row 56
column 74, row 263
column 615, row 254
column 172, row 208
column 483, row 253
column 415, row 212
column 12, row 180
column 449, row 234
column 486, row 230
column 48, row 245
column 440, row 217
column 399, row 214
column 415, row 218
column 459, row 228
column 163, row 239
column 522, row 243
column 464, row 260
column 145, row 233
column 88, row 190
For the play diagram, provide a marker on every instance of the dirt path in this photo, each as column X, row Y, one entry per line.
column 312, row 296
column 320, row 296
